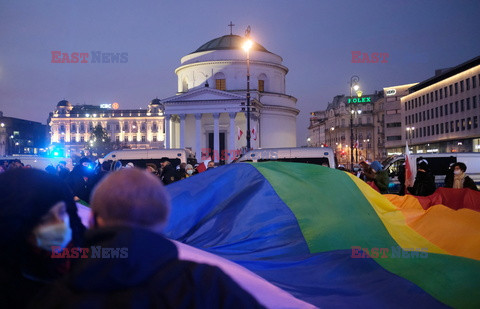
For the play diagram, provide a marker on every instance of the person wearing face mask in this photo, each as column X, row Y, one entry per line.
column 424, row 184
column 37, row 212
column 130, row 209
column 190, row 170
column 460, row 179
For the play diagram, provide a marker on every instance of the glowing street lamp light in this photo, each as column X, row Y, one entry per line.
column 354, row 86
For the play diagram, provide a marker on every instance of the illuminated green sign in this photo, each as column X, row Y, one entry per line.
column 360, row 100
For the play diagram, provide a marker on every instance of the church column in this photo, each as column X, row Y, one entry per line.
column 167, row 131
column 198, row 131
column 231, row 152
column 182, row 130
column 216, row 137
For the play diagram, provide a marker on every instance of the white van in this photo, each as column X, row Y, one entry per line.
column 140, row 157
column 39, row 162
column 320, row 155
column 438, row 163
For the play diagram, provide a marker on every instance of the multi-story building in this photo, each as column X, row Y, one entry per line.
column 71, row 126
column 20, row 136
column 444, row 111
column 333, row 128
column 393, row 125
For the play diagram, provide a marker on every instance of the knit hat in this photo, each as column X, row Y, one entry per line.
column 422, row 164
column 376, row 166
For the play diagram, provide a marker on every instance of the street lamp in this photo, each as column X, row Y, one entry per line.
column 246, row 46
column 331, row 130
column 410, row 134
column 353, row 86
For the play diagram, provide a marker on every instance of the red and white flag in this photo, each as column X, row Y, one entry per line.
column 409, row 176
column 202, row 167
column 254, row 134
column 239, row 133
column 356, row 144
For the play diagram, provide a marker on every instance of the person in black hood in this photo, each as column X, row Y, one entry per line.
column 139, row 268
column 424, row 184
column 77, row 180
column 168, row 171
column 37, row 212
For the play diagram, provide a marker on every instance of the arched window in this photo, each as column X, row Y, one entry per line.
column 220, row 81
column 184, row 84
column 262, row 82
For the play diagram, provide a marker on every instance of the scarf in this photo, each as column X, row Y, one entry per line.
column 458, row 181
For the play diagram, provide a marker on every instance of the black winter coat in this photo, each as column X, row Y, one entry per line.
column 151, row 276
column 424, row 184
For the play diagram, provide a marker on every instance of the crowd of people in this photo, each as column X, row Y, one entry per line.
column 39, row 220
column 424, row 183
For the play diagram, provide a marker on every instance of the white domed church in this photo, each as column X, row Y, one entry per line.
column 208, row 113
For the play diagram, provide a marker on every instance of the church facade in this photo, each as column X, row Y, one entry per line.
column 208, row 113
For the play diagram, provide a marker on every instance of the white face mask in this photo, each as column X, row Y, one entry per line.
column 457, row 172
column 58, row 234
column 189, row 172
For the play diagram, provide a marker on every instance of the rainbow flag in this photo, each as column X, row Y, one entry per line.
column 328, row 239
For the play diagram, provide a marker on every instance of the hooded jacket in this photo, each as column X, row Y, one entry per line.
column 150, row 276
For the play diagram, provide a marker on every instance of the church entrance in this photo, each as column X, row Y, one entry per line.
column 220, row 156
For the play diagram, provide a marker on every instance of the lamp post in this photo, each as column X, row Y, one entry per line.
column 410, row 134
column 353, row 86
column 331, row 130
column 246, row 46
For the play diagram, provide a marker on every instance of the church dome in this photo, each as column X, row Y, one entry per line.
column 64, row 103
column 155, row 101
column 228, row 42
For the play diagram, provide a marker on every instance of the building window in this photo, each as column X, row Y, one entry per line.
column 469, row 123
column 261, row 85
column 416, row 117
column 451, row 108
column 467, row 81
column 125, row 139
column 431, row 113
column 441, row 111
column 82, row 128
column 144, row 139
column 462, row 105
column 474, row 82
column 441, row 128
column 446, row 127
column 436, row 129
column 431, row 96
column 436, row 112
column 117, row 138
column 451, row 126
column 475, row 122
column 456, row 106
column 154, row 138
column 428, row 131
column 445, row 90
column 144, row 127
column 461, row 86
column 135, row 139
column 117, row 127
column 474, row 102
column 468, row 104
column 394, row 138
column 457, row 125
column 423, row 99
column 446, row 109
column 428, row 98
column 450, row 89
column 441, row 93
column 424, row 131
column 62, row 129
column 463, row 125
column 436, row 95
column 82, row 139
column 456, row 88
column 220, row 84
